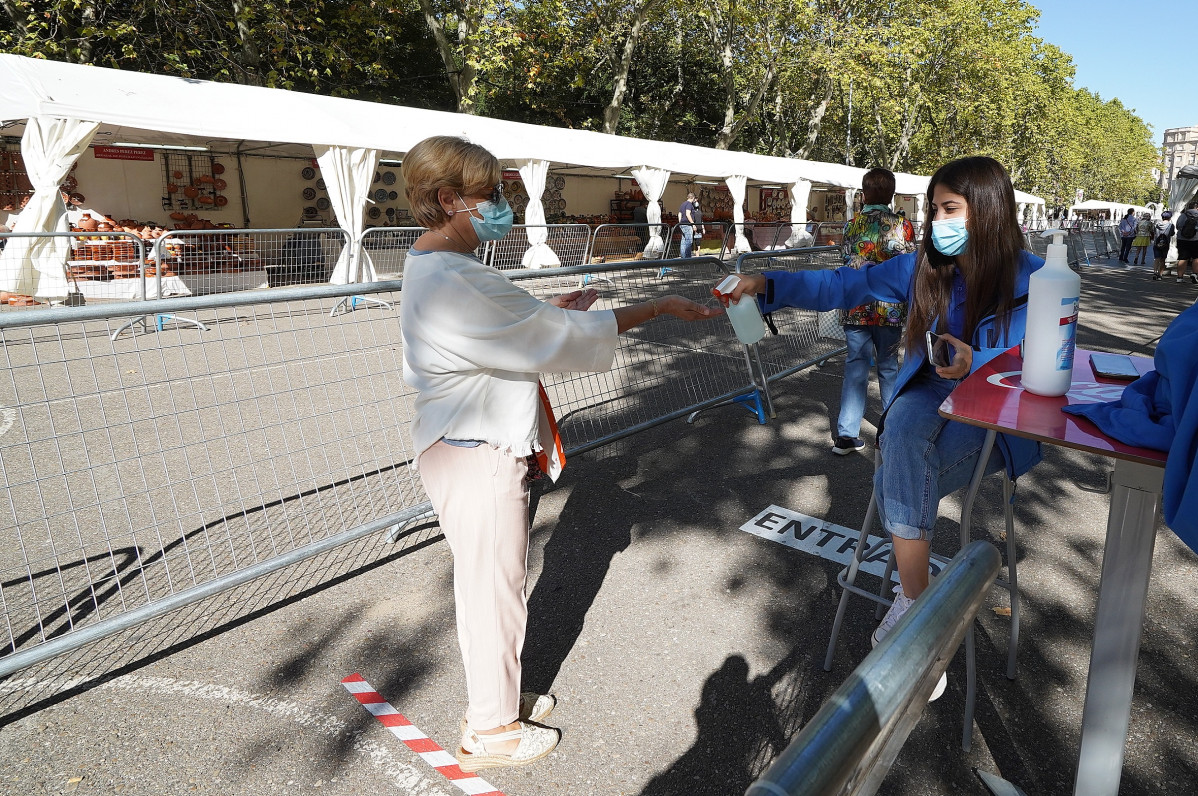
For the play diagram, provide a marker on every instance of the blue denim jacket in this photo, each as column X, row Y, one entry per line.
column 893, row 280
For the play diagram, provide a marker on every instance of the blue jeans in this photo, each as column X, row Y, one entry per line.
column 864, row 342
column 924, row 457
column 688, row 239
column 1125, row 248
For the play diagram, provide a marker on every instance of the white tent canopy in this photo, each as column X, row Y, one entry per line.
column 1116, row 209
column 170, row 111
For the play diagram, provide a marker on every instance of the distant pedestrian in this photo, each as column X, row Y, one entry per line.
column 686, row 224
column 871, row 330
column 1143, row 237
column 1162, row 235
column 640, row 217
column 1187, row 242
column 1127, row 235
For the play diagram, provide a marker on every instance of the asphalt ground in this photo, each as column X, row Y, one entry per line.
column 684, row 652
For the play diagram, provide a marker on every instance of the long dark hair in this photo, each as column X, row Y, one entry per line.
column 990, row 259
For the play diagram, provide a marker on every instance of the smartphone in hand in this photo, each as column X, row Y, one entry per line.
column 940, row 351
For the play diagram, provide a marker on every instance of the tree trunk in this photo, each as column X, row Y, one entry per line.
column 87, row 21
column 14, row 14
column 817, row 118
column 251, row 59
column 732, row 125
column 611, row 114
column 904, row 142
column 460, row 80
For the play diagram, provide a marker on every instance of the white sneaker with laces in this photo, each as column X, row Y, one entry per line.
column 897, row 608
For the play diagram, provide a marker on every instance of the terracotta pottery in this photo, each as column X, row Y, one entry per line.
column 177, row 217
column 172, row 188
column 205, row 200
column 87, row 223
column 178, row 175
column 218, row 168
column 219, row 184
column 221, row 201
column 191, row 192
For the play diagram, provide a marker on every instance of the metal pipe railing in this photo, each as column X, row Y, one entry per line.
column 850, row 744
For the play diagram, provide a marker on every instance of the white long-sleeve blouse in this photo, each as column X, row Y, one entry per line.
column 475, row 344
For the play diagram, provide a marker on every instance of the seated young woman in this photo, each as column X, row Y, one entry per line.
column 967, row 284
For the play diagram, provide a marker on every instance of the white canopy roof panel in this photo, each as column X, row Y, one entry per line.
column 162, row 109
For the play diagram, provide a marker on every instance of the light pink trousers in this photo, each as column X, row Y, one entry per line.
column 482, row 500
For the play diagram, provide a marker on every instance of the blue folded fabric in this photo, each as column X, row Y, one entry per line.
column 1159, row 411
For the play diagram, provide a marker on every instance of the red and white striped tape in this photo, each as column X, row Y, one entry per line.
column 417, row 741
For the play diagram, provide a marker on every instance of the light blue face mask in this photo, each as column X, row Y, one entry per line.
column 496, row 219
column 950, row 236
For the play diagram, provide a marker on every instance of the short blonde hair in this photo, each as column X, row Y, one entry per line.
column 446, row 161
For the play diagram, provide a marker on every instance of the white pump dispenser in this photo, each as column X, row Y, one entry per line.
column 1051, row 332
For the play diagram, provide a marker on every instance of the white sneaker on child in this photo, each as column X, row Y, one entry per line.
column 897, row 608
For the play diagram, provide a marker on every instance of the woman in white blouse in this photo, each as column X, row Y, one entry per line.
column 475, row 345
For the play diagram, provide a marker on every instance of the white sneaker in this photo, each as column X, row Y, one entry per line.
column 899, row 607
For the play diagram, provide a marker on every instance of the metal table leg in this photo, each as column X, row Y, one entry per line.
column 1118, row 624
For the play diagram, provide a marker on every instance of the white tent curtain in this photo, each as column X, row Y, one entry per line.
column 1021, row 213
column 921, row 202
column 850, row 203
column 736, row 187
column 539, row 255
column 800, row 192
column 348, row 173
column 1183, row 188
column 652, row 183
column 37, row 266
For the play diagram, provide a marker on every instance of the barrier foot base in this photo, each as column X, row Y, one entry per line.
column 997, row 785
column 351, row 303
column 159, row 324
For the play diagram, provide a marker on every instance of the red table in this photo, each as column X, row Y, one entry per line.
column 993, row 398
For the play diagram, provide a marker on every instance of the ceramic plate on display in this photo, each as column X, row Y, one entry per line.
column 320, row 186
column 377, row 177
column 559, row 182
column 309, row 212
column 380, row 195
column 392, row 196
column 309, row 194
column 374, row 212
column 222, row 200
column 308, row 172
column 218, row 168
column 388, row 178
column 323, row 203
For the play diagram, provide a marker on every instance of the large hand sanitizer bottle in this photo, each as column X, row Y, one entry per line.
column 1051, row 333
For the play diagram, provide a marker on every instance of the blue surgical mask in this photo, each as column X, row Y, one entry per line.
column 496, row 219
column 950, row 236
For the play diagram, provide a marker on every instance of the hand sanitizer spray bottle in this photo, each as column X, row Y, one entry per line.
column 744, row 314
column 1051, row 333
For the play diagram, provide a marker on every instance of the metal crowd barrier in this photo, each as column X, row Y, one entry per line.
column 570, row 242
column 805, row 337
column 848, row 747
column 761, row 235
column 227, row 260
column 152, row 471
column 97, row 265
column 712, row 239
column 620, row 242
column 388, row 248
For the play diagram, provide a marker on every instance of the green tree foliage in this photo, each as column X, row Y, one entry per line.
column 908, row 85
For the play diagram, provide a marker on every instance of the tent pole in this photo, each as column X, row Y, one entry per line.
column 245, row 200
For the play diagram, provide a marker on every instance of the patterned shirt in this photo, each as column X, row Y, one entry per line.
column 873, row 235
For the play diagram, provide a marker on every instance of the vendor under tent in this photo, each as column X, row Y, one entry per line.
column 349, row 137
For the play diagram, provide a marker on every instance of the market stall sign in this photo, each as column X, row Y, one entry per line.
column 123, row 153
column 511, row 174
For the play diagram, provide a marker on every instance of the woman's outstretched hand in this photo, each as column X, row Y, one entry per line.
column 962, row 359
column 576, row 299
column 685, row 309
